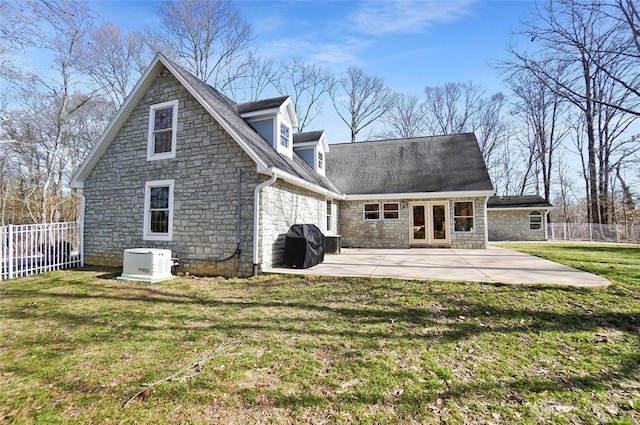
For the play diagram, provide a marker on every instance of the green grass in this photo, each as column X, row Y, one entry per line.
column 74, row 345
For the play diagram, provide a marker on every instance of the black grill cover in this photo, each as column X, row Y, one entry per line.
column 304, row 246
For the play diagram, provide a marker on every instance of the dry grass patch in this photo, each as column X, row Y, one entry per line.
column 75, row 345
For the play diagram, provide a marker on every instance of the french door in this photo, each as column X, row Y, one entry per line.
column 429, row 223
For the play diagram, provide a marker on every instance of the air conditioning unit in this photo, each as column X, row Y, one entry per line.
column 146, row 265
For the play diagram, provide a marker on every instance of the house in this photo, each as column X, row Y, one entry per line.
column 182, row 167
column 520, row 218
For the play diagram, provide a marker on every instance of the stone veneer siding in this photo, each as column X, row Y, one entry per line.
column 205, row 173
column 281, row 206
column 513, row 225
column 360, row 233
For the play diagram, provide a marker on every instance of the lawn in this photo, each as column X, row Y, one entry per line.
column 76, row 345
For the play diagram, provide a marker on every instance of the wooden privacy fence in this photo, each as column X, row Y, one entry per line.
column 37, row 248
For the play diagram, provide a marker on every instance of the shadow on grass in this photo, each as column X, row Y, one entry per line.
column 459, row 315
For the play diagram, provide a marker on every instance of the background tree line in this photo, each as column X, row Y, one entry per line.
column 575, row 93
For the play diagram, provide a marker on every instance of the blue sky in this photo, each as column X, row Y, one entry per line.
column 411, row 44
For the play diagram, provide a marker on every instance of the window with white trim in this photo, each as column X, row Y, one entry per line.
column 535, row 220
column 163, row 123
column 463, row 216
column 158, row 210
column 390, row 211
column 329, row 215
column 320, row 161
column 285, row 135
column 372, row 211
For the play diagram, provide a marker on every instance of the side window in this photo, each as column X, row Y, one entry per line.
column 285, row 135
column 329, row 216
column 158, row 210
column 535, row 220
column 372, row 211
column 390, row 211
column 320, row 161
column 463, row 216
column 163, row 122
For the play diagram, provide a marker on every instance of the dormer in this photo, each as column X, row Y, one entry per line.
column 312, row 147
column 274, row 119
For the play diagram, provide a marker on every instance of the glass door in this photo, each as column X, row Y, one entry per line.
column 439, row 224
column 418, row 223
column 429, row 223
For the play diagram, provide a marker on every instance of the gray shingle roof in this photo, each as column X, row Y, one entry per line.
column 428, row 164
column 309, row 136
column 260, row 105
column 521, row 201
column 228, row 111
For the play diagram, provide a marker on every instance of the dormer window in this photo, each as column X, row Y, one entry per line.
column 320, row 161
column 285, row 135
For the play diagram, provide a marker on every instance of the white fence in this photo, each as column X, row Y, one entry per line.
column 37, row 248
column 629, row 233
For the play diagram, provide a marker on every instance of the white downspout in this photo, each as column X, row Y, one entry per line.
column 256, row 219
column 83, row 200
column 486, row 222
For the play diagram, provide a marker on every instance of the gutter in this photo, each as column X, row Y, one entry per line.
column 83, row 201
column 256, row 218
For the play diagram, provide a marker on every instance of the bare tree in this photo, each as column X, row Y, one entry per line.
column 306, row 84
column 361, row 100
column 205, row 36
column 449, row 109
column 406, row 118
column 579, row 38
column 253, row 76
column 114, row 60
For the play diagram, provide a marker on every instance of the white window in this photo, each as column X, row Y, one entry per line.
column 320, row 161
column 285, row 135
column 163, row 123
column 463, row 216
column 390, row 211
column 535, row 220
column 372, row 211
column 158, row 210
column 329, row 216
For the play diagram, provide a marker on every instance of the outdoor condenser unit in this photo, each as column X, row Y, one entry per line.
column 146, row 264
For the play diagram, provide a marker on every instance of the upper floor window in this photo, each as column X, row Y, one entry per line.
column 463, row 216
column 320, row 161
column 535, row 220
column 285, row 135
column 163, row 122
column 158, row 210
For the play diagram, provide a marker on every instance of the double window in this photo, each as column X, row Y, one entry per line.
column 158, row 210
column 388, row 211
column 163, row 122
column 463, row 216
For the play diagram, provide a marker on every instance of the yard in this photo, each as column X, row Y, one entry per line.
column 76, row 345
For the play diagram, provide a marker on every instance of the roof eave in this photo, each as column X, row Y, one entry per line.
column 420, row 195
column 299, row 182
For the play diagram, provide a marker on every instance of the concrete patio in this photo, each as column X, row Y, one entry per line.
column 497, row 265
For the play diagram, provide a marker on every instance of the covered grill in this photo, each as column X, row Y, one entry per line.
column 304, row 246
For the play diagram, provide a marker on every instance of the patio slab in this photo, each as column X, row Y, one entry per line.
column 494, row 264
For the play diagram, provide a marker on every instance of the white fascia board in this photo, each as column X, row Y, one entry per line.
column 290, row 112
column 305, row 145
column 260, row 165
column 519, row 208
column 323, row 140
column 261, row 113
column 110, row 131
column 420, row 195
column 297, row 181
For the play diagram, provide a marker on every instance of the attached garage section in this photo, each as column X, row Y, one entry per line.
column 518, row 218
